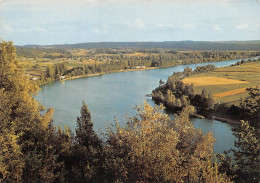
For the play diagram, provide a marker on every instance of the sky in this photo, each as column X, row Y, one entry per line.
column 48, row 22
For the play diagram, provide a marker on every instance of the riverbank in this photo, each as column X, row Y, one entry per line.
column 41, row 83
column 98, row 74
column 102, row 73
column 117, row 71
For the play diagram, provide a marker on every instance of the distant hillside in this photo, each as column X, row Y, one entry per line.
column 187, row 45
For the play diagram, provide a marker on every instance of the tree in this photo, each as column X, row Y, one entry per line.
column 31, row 149
column 172, row 86
column 188, row 90
column 88, row 148
column 178, row 102
column 204, row 93
column 36, row 66
column 244, row 167
column 11, row 162
column 210, row 101
column 153, row 149
column 85, row 135
column 187, row 71
column 251, row 106
column 161, row 82
column 158, row 95
column 22, row 125
column 50, row 72
column 184, row 101
column 170, row 99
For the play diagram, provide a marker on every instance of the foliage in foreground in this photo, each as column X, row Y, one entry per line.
column 22, row 128
column 149, row 149
column 244, row 165
column 251, row 106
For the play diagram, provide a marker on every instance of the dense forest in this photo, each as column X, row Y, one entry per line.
column 149, row 148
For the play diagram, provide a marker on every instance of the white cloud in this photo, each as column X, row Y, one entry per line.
column 164, row 25
column 103, row 29
column 216, row 27
column 185, row 26
column 35, row 29
column 6, row 27
column 139, row 24
column 135, row 24
column 96, row 31
column 243, row 26
column 39, row 29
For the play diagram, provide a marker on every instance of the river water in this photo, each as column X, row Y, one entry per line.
column 116, row 94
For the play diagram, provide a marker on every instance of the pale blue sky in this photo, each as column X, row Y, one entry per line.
column 76, row 21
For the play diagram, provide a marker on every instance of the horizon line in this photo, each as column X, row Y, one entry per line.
column 56, row 44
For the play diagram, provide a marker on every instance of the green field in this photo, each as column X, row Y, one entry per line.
column 29, row 64
column 245, row 75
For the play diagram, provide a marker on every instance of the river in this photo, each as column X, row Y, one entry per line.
column 116, row 94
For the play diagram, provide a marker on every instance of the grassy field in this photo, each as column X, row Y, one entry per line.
column 211, row 80
column 227, row 84
column 28, row 64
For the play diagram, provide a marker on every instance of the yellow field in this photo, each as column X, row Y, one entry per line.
column 227, row 84
column 230, row 92
column 255, row 67
column 204, row 81
column 135, row 54
column 35, row 73
column 81, row 52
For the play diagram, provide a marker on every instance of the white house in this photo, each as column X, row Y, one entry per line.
column 34, row 78
column 140, row 67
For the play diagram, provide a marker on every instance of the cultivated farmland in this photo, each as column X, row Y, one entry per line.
column 227, row 84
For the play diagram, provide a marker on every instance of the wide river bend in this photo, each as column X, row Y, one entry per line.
column 116, row 94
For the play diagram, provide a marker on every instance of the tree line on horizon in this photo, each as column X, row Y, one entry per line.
column 149, row 148
column 182, row 45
